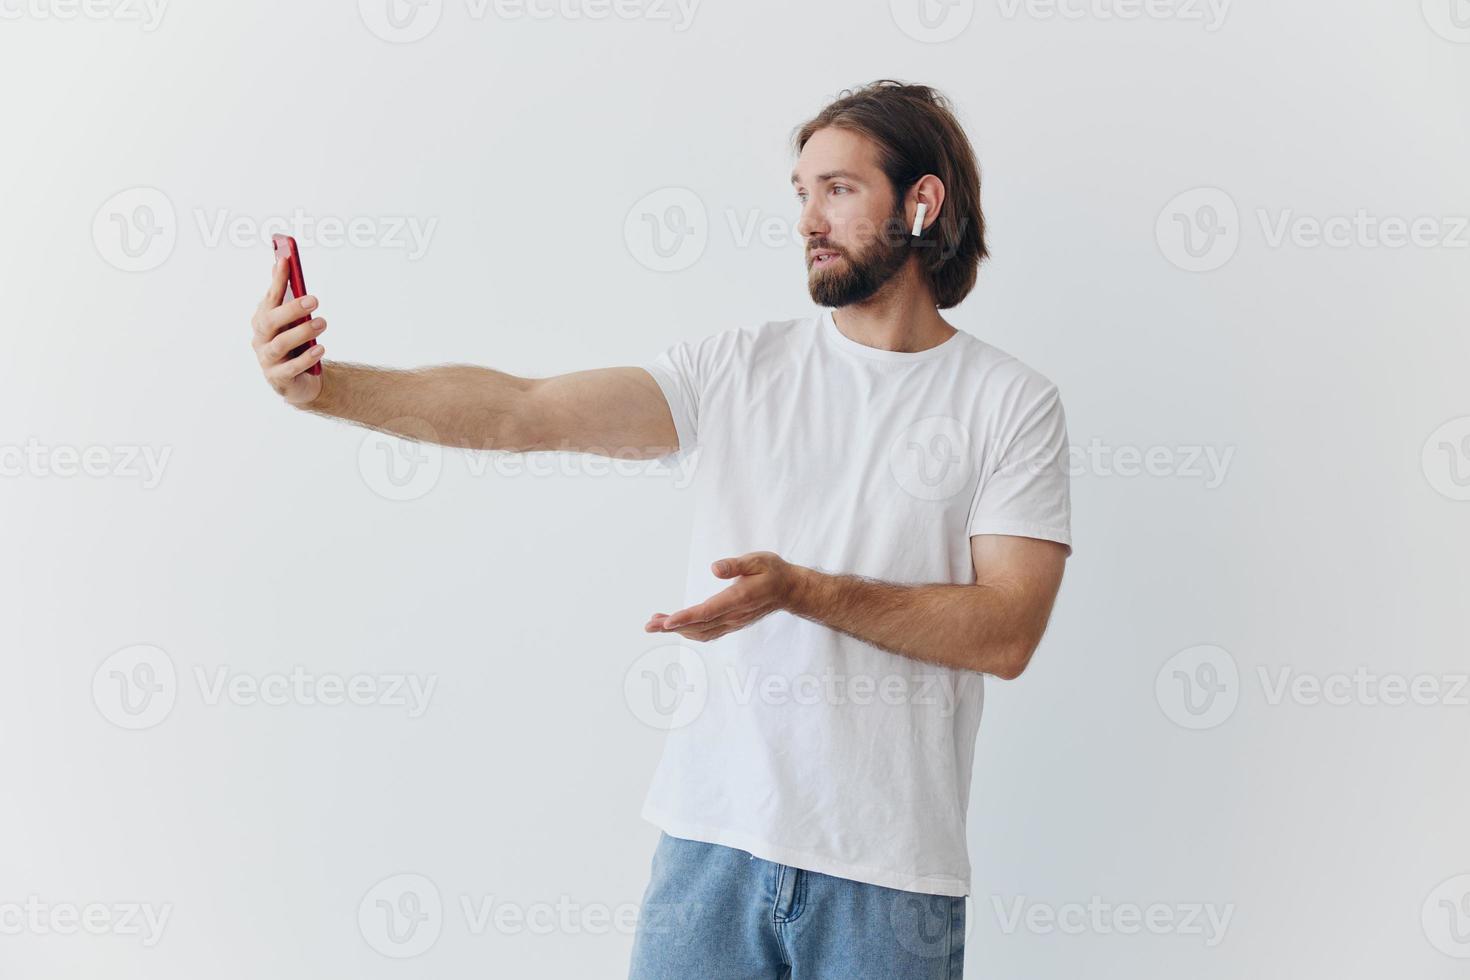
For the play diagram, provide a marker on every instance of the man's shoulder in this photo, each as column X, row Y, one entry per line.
column 1005, row 371
column 750, row 337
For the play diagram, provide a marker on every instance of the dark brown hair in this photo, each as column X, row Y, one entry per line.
column 917, row 133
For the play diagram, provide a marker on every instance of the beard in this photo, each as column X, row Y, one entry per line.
column 860, row 275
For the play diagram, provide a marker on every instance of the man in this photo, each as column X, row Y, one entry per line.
column 884, row 508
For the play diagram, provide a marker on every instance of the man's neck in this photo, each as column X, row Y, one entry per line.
column 899, row 319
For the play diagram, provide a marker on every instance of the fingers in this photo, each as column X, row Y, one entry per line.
column 708, row 631
column 270, row 322
column 280, row 347
column 749, row 564
column 277, row 288
column 281, row 374
column 723, row 604
column 701, row 613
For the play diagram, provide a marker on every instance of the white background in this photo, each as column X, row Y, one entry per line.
column 1332, row 542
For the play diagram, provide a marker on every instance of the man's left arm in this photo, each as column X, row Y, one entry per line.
column 992, row 626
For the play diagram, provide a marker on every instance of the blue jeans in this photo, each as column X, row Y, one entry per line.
column 717, row 913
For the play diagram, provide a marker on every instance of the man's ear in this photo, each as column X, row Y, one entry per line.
column 929, row 191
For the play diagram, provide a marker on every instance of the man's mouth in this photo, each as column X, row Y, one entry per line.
column 823, row 257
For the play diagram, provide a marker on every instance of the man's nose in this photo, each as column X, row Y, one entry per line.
column 812, row 221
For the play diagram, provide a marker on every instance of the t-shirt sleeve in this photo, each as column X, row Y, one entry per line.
column 1027, row 492
column 676, row 372
column 685, row 373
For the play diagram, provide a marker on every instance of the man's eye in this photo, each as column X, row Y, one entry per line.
column 801, row 196
column 839, row 189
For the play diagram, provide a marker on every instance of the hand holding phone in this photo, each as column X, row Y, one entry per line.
column 285, row 331
column 286, row 249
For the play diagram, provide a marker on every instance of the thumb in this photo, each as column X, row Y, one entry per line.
column 731, row 567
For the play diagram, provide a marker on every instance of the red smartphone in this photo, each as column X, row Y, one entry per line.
column 295, row 286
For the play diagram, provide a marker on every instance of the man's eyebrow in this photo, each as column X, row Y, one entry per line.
column 829, row 175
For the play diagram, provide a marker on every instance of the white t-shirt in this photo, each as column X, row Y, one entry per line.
column 792, row 741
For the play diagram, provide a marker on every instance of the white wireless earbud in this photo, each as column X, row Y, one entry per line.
column 919, row 219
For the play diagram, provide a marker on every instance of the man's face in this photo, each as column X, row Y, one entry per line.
column 853, row 225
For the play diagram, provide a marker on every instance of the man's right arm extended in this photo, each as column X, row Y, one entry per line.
column 617, row 411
